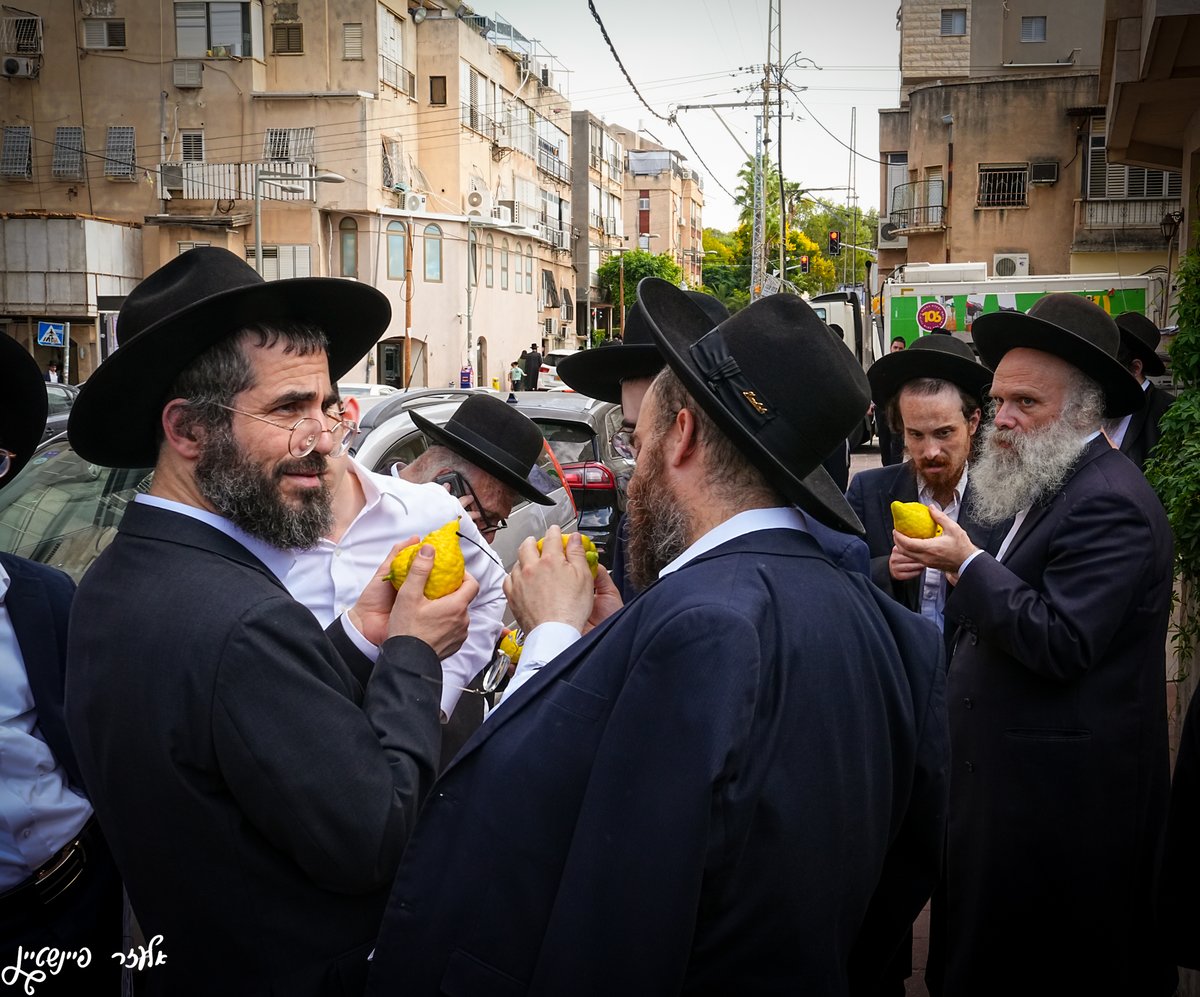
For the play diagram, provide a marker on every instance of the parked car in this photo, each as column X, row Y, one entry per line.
column 548, row 379
column 62, row 510
column 59, row 399
column 362, row 389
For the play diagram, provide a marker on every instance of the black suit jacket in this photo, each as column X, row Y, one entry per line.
column 255, row 778
column 707, row 793
column 1142, row 432
column 1058, row 718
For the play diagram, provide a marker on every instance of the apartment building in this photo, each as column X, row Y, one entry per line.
column 997, row 152
column 413, row 148
column 598, row 171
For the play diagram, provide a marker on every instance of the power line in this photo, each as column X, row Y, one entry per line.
column 621, row 65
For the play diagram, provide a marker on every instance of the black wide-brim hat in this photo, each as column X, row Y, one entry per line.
column 775, row 380
column 598, row 373
column 179, row 311
column 1072, row 328
column 1141, row 337
column 496, row 438
column 944, row 357
column 23, row 412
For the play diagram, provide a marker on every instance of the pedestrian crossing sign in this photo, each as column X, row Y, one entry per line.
column 52, row 334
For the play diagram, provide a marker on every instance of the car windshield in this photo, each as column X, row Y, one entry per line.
column 62, row 511
column 554, row 359
column 570, row 442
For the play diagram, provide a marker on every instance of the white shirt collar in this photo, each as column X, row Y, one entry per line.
column 279, row 562
column 750, row 521
column 925, row 495
column 5, row 582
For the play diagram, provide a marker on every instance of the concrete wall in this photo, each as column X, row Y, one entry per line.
column 925, row 53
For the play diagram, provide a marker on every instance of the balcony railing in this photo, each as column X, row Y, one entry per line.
column 474, row 118
column 1126, row 213
column 918, row 205
column 395, row 75
column 554, row 166
column 233, row 181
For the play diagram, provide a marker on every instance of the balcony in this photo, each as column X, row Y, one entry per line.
column 1121, row 224
column 918, row 206
column 554, row 166
column 474, row 118
column 232, row 181
column 395, row 75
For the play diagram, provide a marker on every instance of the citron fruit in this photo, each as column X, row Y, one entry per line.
column 509, row 645
column 914, row 520
column 446, row 575
column 589, row 549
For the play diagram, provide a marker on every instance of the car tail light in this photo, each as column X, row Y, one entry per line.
column 545, row 369
column 589, row 475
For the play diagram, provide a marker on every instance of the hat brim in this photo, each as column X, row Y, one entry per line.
column 1152, row 364
column 466, row 449
column 998, row 332
column 676, row 323
column 128, row 391
column 23, row 419
column 598, row 373
column 892, row 371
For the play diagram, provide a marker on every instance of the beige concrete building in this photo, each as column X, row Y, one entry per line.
column 997, row 153
column 400, row 147
column 597, row 189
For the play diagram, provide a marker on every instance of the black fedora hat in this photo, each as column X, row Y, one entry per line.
column 496, row 438
column 1072, row 328
column 944, row 357
column 775, row 380
column 23, row 414
column 598, row 373
column 179, row 311
column 1141, row 337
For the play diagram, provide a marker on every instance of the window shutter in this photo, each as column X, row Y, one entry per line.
column 352, row 41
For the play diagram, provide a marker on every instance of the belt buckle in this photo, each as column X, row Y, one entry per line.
column 51, row 882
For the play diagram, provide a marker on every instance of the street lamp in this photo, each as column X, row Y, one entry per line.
column 292, row 188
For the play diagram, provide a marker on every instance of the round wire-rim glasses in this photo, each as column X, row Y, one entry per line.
column 303, row 436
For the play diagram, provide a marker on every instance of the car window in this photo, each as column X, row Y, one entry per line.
column 58, row 399
column 554, row 359
column 404, row 451
column 570, row 442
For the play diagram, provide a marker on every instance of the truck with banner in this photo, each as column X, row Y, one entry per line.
column 920, row 298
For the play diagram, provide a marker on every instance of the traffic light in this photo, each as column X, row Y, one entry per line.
column 835, row 243
column 804, row 264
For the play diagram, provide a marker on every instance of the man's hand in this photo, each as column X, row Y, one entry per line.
column 555, row 586
column 945, row 553
column 607, row 601
column 441, row 623
column 371, row 612
column 902, row 567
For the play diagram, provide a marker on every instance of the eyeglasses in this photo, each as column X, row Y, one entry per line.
column 622, row 443
column 460, row 487
column 303, row 436
column 6, row 461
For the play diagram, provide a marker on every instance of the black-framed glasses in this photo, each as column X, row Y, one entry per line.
column 6, row 461
column 303, row 436
column 459, row 487
column 622, row 443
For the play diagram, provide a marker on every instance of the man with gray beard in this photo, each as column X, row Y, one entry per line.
column 255, row 775
column 1058, row 787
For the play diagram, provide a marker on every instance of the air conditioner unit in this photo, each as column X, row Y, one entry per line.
column 503, row 214
column 891, row 236
column 514, row 211
column 16, row 67
column 479, row 202
column 189, row 74
column 412, row 202
column 1043, row 172
column 171, row 175
column 1010, row 265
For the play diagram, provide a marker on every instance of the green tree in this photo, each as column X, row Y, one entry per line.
column 637, row 263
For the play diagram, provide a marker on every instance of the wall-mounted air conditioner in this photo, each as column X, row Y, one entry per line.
column 412, row 202
column 479, row 202
column 514, row 211
column 189, row 74
column 502, row 213
column 1010, row 265
column 17, row 67
column 891, row 236
column 1043, row 172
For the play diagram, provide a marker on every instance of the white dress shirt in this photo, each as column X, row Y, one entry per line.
column 39, row 813
column 1121, row 426
column 933, row 581
column 548, row 640
column 329, row 578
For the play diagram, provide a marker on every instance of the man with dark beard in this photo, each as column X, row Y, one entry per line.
column 733, row 785
column 255, row 775
column 1057, row 684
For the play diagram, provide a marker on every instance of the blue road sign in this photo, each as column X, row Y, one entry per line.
column 52, row 334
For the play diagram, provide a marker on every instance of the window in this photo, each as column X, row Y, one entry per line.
column 289, row 145
column 897, row 176
column 119, row 153
column 437, row 90
column 397, row 247
column 216, row 29
column 644, row 202
column 1108, row 181
column 1033, row 29
column 529, row 269
column 352, row 39
column 954, row 20
column 549, row 290
column 282, row 262
column 489, row 249
column 185, row 246
column 192, row 144
column 103, row 33
column 1003, row 185
column 433, row 253
column 504, row 265
column 16, row 156
column 391, row 52
column 348, row 237
column 518, row 263
column 68, row 153
column 287, row 39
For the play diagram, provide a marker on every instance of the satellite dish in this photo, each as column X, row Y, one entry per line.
column 418, row 15
column 888, row 231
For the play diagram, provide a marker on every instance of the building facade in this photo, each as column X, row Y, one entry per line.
column 597, row 191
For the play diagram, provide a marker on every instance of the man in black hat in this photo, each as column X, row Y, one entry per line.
column 533, row 368
column 734, row 784
column 931, row 396
column 58, row 884
column 255, row 775
column 1057, row 701
column 1136, row 433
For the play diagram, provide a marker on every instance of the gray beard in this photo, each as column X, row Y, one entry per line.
column 658, row 528
column 252, row 500
column 1003, row 482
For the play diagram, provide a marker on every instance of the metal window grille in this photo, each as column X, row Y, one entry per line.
column 101, row 33
column 289, row 145
column 21, row 35
column 119, row 153
column 1003, row 186
column 352, row 41
column 954, row 20
column 67, row 163
column 1033, row 29
column 16, row 156
column 287, row 39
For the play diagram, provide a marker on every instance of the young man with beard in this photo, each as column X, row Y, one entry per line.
column 256, row 776
column 734, row 784
column 930, row 395
column 1057, row 684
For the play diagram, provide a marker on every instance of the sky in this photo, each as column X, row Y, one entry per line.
column 701, row 52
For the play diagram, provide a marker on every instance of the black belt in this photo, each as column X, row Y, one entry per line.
column 53, row 879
